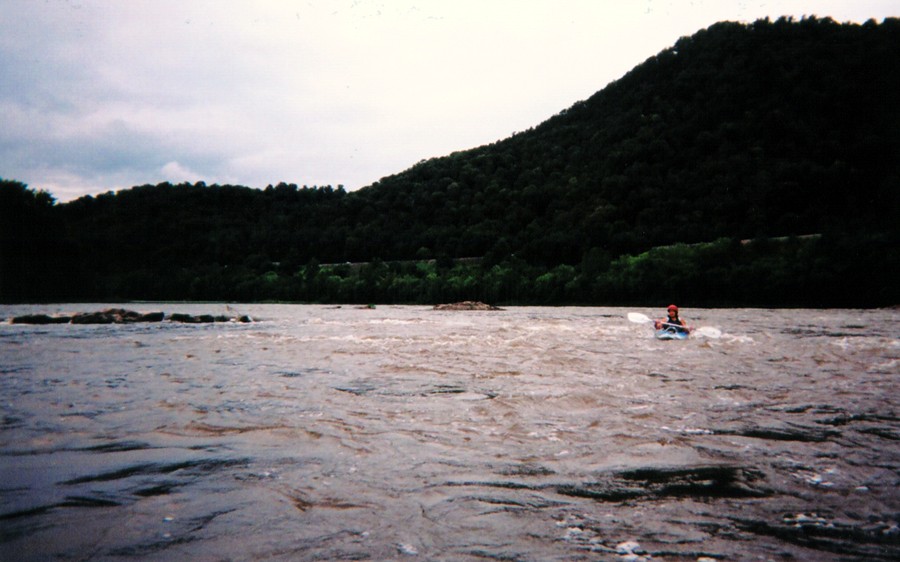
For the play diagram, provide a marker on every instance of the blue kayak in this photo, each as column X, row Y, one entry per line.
column 672, row 334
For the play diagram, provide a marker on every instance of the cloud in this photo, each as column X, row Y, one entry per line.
column 176, row 173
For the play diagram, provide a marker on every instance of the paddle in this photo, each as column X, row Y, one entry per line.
column 705, row 331
column 639, row 318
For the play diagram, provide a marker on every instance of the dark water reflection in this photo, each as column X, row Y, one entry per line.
column 405, row 433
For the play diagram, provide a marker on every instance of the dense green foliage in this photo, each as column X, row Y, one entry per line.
column 36, row 257
column 639, row 194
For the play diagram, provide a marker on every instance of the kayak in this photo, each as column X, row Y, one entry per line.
column 671, row 334
column 666, row 334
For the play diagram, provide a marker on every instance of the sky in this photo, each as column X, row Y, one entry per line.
column 103, row 95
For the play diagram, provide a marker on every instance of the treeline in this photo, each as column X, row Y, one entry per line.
column 41, row 262
column 640, row 193
column 38, row 259
column 809, row 271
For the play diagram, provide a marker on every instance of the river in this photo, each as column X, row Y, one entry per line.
column 405, row 433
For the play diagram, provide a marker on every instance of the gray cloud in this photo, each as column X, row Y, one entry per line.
column 100, row 95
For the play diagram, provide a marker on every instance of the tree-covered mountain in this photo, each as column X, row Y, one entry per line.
column 742, row 131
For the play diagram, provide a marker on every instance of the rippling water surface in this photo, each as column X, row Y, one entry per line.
column 403, row 433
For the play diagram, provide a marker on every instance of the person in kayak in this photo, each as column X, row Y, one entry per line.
column 672, row 321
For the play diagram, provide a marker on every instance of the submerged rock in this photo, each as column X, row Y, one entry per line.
column 116, row 316
column 190, row 319
column 782, row 432
column 699, row 481
column 875, row 539
column 207, row 318
column 95, row 318
column 466, row 305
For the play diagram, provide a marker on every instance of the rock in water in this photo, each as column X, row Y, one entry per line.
column 466, row 305
column 40, row 319
column 122, row 316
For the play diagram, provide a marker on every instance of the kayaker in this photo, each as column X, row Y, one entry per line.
column 672, row 320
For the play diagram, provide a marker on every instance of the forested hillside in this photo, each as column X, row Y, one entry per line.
column 642, row 192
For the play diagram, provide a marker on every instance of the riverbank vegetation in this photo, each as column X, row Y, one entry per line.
column 812, row 271
column 648, row 191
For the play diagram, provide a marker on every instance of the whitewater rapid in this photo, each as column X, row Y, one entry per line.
column 404, row 433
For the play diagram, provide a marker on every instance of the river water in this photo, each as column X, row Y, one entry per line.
column 405, row 433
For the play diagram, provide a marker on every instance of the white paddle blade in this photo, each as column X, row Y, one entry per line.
column 638, row 318
column 709, row 332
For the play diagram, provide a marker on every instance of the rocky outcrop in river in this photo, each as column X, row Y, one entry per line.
column 466, row 305
column 122, row 316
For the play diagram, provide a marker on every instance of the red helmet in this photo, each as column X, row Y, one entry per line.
column 672, row 307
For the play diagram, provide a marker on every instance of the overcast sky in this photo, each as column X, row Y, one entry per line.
column 105, row 95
